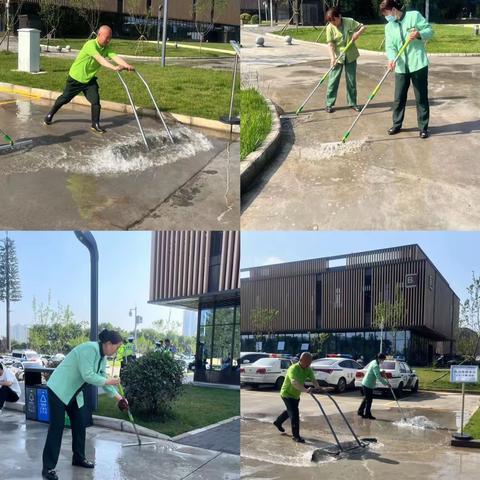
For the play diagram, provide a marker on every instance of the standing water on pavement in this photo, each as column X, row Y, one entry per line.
column 421, row 422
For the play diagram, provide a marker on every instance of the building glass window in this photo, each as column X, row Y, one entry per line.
column 338, row 301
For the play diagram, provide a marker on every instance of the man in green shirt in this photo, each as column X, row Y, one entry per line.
column 412, row 66
column 368, row 384
column 81, row 77
column 292, row 387
column 340, row 30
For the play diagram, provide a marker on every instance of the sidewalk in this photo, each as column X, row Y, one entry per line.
column 21, row 444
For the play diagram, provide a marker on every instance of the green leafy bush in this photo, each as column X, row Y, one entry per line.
column 254, row 20
column 152, row 384
column 245, row 18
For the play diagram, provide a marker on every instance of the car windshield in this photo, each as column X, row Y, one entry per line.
column 265, row 362
column 387, row 365
column 325, row 361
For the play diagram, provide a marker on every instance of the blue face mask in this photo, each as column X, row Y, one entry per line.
column 390, row 18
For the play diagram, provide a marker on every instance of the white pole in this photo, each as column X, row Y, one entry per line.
column 259, row 13
column 271, row 13
column 381, row 337
column 463, row 408
column 427, row 9
column 164, row 33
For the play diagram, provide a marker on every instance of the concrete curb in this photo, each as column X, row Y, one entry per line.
column 204, row 429
column 224, row 386
column 123, row 108
column 126, row 426
column 256, row 161
column 373, row 52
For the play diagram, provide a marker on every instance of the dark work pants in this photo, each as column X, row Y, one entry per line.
column 292, row 412
column 74, row 88
column 366, row 405
column 53, row 443
column 419, row 80
column 7, row 395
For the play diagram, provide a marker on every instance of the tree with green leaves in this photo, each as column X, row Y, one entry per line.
column 262, row 321
column 470, row 319
column 203, row 9
column 51, row 14
column 390, row 314
column 10, row 290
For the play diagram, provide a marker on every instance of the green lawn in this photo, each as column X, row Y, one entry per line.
column 132, row 47
column 428, row 375
column 200, row 92
column 473, row 426
column 256, row 121
column 197, row 407
column 446, row 39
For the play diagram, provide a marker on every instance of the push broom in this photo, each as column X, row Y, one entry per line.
column 132, row 420
column 300, row 108
column 10, row 143
column 375, row 91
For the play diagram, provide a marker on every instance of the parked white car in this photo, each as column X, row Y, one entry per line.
column 27, row 356
column 265, row 371
column 399, row 375
column 338, row 372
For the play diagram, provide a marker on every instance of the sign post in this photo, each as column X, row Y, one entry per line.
column 463, row 374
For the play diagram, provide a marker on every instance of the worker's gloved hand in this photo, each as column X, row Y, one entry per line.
column 131, row 68
column 123, row 404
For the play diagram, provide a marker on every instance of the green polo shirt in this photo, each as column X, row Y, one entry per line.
column 341, row 36
column 373, row 374
column 295, row 372
column 396, row 33
column 85, row 67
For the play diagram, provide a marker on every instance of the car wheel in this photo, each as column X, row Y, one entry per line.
column 254, row 386
column 279, row 383
column 341, row 385
column 399, row 390
column 415, row 387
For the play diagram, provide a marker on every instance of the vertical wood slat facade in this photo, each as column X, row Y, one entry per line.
column 292, row 290
column 180, row 263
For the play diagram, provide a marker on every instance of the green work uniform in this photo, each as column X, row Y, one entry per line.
column 340, row 37
column 129, row 350
column 295, row 372
column 85, row 67
column 373, row 374
column 412, row 66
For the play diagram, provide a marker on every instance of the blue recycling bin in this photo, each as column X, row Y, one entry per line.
column 43, row 412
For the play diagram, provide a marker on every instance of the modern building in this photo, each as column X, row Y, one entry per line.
column 20, row 333
column 200, row 271
column 187, row 19
column 332, row 304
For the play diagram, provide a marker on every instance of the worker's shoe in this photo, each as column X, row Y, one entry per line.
column 298, row 439
column 369, row 417
column 424, row 134
column 48, row 119
column 329, row 109
column 83, row 463
column 96, row 128
column 357, row 108
column 280, row 428
column 360, row 414
column 394, row 130
column 49, row 474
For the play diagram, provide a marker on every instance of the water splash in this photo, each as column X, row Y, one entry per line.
column 326, row 151
column 420, row 422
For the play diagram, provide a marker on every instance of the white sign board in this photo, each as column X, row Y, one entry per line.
column 464, row 374
column 281, row 346
column 258, row 346
column 304, row 347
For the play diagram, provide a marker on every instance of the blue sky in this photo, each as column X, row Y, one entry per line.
column 455, row 254
column 58, row 262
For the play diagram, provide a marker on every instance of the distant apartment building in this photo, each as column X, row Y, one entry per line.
column 20, row 333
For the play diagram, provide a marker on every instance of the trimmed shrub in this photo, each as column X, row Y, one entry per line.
column 152, row 384
column 245, row 18
column 254, row 20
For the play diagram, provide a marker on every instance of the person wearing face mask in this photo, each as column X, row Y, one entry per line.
column 340, row 30
column 412, row 66
column 85, row 364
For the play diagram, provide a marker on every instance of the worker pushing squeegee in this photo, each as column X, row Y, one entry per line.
column 82, row 79
column 342, row 33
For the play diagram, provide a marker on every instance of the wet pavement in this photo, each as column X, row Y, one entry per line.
column 71, row 178
column 375, row 181
column 22, row 443
column 399, row 451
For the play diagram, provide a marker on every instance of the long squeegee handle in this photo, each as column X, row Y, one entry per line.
column 344, row 51
column 375, row 90
column 328, row 422
column 360, row 444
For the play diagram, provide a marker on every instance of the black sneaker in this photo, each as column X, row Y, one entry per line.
column 279, row 426
column 83, row 463
column 424, row 134
column 394, row 130
column 329, row 109
column 369, row 417
column 298, row 439
column 360, row 414
column 97, row 128
column 49, row 474
column 48, row 119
